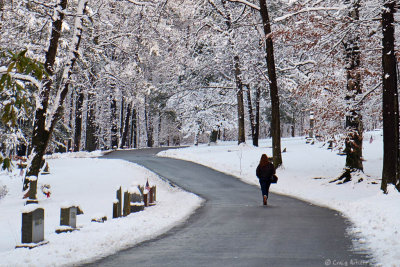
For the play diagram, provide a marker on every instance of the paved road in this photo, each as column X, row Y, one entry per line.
column 233, row 228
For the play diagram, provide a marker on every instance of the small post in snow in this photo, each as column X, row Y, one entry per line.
column 311, row 132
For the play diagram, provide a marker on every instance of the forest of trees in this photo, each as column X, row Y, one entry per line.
column 101, row 74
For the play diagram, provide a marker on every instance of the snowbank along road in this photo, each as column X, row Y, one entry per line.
column 233, row 228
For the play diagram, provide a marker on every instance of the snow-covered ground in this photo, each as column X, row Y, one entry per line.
column 92, row 184
column 306, row 174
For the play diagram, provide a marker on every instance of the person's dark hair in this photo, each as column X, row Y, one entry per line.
column 264, row 160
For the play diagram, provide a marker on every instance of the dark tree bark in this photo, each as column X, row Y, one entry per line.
column 253, row 123
column 390, row 108
column 114, row 127
column 126, row 127
column 237, row 73
column 354, row 126
column 121, row 125
column 159, row 128
column 273, row 86
column 134, row 129
column 91, row 140
column 71, row 105
column 240, row 105
column 41, row 134
column 257, row 122
column 148, row 124
column 78, row 119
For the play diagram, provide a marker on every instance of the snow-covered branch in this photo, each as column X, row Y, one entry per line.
column 73, row 55
column 21, row 77
column 138, row 3
column 295, row 65
column 216, row 8
column 247, row 3
column 368, row 93
column 304, row 10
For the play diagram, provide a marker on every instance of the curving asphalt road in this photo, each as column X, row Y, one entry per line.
column 233, row 228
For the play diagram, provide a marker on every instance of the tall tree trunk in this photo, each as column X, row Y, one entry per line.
column 114, row 127
column 237, row 73
column 121, row 125
column 71, row 105
column 273, row 86
column 354, row 127
column 126, row 128
column 41, row 134
column 257, row 118
column 78, row 120
column 251, row 117
column 240, row 105
column 390, row 109
column 293, row 126
column 148, row 124
column 134, row 129
column 159, row 128
column 91, row 140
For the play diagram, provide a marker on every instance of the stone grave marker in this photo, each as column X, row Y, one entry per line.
column 152, row 196
column 127, row 203
column 146, row 199
column 119, row 206
column 68, row 216
column 68, row 219
column 136, row 200
column 32, row 230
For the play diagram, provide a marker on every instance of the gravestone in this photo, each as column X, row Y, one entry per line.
column 127, row 203
column 68, row 216
column 136, row 207
column 146, row 199
column 119, row 197
column 136, row 202
column 152, row 195
column 33, row 226
column 115, row 209
column 136, row 198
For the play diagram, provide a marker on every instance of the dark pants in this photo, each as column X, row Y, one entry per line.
column 265, row 184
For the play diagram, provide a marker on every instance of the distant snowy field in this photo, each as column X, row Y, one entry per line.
column 306, row 173
column 92, row 184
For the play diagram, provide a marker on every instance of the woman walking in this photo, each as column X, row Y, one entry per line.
column 265, row 171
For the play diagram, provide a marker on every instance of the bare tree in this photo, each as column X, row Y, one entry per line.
column 390, row 172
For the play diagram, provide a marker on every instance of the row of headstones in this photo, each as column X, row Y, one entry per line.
column 32, row 230
column 133, row 202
